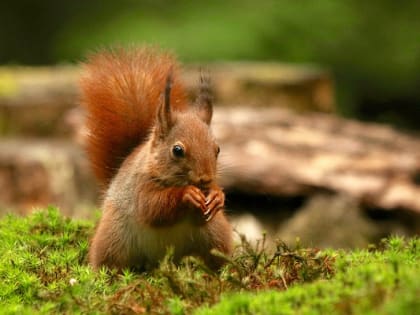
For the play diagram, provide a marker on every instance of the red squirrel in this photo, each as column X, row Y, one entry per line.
column 155, row 154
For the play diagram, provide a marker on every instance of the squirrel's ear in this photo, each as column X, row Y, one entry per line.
column 204, row 101
column 164, row 121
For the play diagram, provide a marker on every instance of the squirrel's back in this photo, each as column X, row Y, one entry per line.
column 121, row 90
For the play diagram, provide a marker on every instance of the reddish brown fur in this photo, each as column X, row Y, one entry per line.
column 121, row 90
column 106, row 249
column 155, row 200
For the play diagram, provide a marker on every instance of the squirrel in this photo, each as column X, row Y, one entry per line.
column 153, row 152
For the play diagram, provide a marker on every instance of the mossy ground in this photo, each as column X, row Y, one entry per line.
column 43, row 270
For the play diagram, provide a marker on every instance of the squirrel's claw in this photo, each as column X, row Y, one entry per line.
column 215, row 201
column 209, row 206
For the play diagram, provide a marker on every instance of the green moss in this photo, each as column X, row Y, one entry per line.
column 43, row 270
column 378, row 282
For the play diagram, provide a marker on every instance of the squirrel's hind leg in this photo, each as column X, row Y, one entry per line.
column 219, row 236
column 108, row 246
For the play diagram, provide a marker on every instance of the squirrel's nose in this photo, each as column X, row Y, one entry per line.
column 204, row 181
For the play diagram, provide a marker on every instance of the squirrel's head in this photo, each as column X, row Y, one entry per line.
column 184, row 150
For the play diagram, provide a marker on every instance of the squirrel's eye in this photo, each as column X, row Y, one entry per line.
column 217, row 150
column 178, row 150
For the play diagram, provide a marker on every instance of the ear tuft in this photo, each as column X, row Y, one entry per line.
column 204, row 101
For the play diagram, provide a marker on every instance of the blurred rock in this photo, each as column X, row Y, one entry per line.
column 264, row 84
column 325, row 221
column 338, row 221
column 275, row 151
column 40, row 173
column 35, row 101
column 330, row 221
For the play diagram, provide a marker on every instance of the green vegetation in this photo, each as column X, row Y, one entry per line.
column 377, row 282
column 43, row 270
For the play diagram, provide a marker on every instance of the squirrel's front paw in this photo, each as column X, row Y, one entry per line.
column 215, row 201
column 194, row 196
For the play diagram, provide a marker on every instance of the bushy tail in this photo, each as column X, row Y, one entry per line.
column 120, row 91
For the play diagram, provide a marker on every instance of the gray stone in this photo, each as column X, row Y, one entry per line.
column 330, row 221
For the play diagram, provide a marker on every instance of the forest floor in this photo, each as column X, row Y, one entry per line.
column 43, row 270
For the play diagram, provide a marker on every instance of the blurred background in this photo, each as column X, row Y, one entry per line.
column 372, row 47
column 357, row 60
